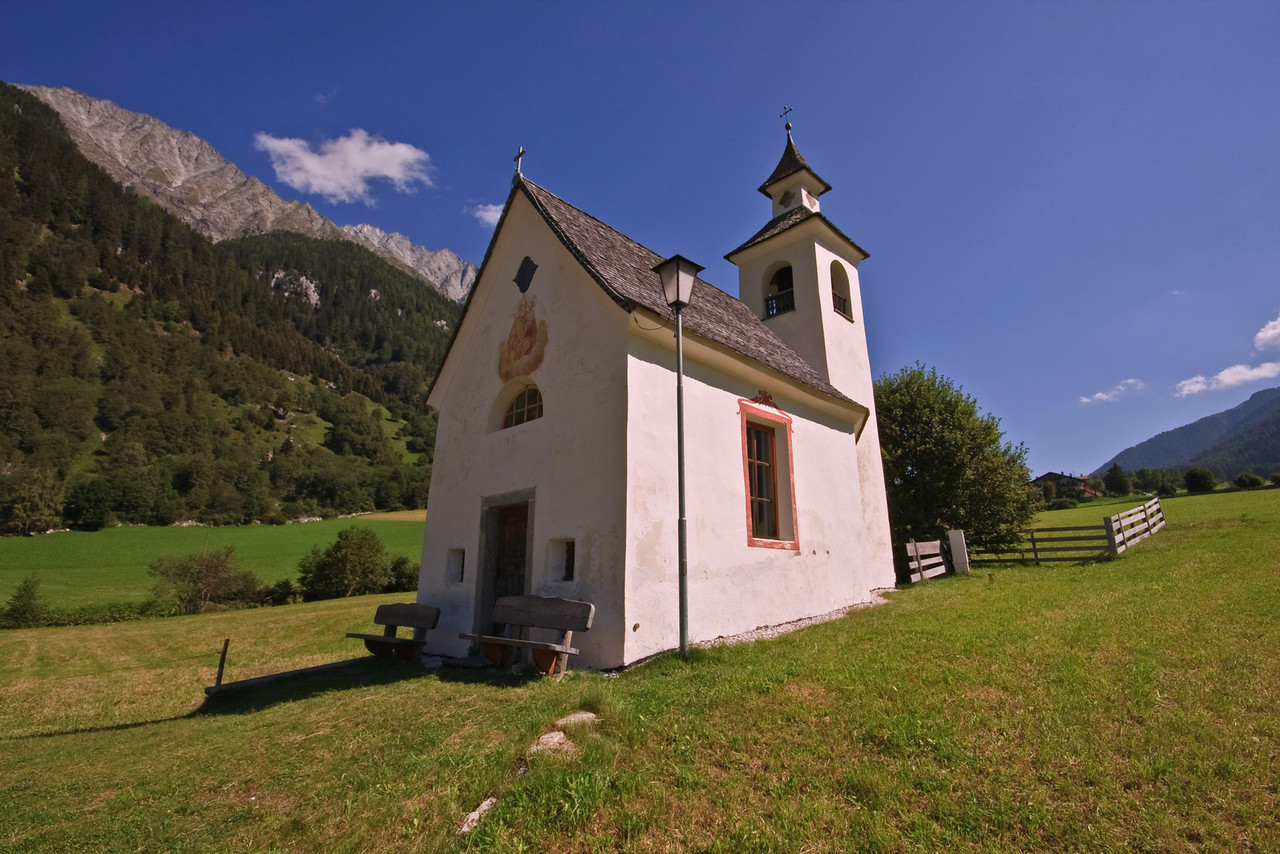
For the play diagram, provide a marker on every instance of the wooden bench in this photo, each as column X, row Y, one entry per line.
column 420, row 618
column 519, row 614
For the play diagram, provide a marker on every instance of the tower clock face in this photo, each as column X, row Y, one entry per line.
column 787, row 198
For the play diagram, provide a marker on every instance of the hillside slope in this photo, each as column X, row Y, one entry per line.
column 151, row 376
column 1245, row 437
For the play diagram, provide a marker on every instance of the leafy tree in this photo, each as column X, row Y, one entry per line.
column 25, row 608
column 33, row 503
column 1117, row 481
column 1275, row 478
column 353, row 565
column 197, row 580
column 1200, row 479
column 947, row 464
column 88, row 504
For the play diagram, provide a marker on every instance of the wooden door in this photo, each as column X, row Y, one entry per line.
column 513, row 524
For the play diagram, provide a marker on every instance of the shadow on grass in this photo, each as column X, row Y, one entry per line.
column 291, row 685
column 251, row 695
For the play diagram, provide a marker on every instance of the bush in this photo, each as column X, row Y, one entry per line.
column 404, row 575
column 1062, row 504
column 356, row 564
column 190, row 584
column 25, row 608
column 1248, row 480
column 283, row 592
column 1275, row 478
column 1200, row 479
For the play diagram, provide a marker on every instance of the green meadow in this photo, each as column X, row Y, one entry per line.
column 1132, row 705
column 79, row 569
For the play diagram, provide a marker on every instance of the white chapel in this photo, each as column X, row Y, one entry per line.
column 555, row 461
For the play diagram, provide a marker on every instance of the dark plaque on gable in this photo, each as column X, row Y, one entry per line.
column 524, row 276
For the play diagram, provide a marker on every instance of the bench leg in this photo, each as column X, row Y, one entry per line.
column 382, row 650
column 562, row 659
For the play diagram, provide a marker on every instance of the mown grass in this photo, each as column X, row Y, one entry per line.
column 78, row 569
column 1132, row 705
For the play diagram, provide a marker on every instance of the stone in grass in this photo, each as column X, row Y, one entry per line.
column 469, row 823
column 576, row 719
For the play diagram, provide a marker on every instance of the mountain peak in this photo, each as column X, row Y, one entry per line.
column 186, row 176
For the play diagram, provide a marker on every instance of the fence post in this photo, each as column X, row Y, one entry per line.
column 959, row 552
column 1113, row 546
column 1035, row 549
column 222, row 662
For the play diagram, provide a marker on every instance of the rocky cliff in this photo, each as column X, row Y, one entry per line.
column 187, row 177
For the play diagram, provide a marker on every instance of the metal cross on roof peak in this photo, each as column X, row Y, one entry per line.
column 519, row 154
column 786, row 114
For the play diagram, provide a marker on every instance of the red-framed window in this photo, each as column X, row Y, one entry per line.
column 768, row 475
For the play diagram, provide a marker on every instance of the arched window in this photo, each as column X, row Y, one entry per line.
column 840, row 290
column 780, row 296
column 525, row 406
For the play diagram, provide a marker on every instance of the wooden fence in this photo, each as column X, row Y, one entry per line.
column 925, row 560
column 1081, row 544
column 1133, row 526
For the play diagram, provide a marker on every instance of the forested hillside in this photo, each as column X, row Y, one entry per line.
column 1243, row 438
column 150, row 376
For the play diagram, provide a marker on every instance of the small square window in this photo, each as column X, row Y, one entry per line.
column 455, row 565
column 561, row 560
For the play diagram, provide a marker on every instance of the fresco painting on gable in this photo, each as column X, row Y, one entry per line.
column 521, row 353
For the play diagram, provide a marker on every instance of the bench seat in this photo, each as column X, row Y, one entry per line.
column 420, row 618
column 501, row 640
column 519, row 614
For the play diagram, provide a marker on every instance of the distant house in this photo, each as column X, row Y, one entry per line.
column 1067, row 485
column 555, row 459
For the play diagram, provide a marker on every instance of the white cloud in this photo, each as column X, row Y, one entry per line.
column 487, row 214
column 342, row 168
column 1114, row 392
column 1229, row 378
column 1268, row 337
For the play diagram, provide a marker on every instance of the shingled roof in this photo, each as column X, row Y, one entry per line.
column 788, row 220
column 791, row 163
column 624, row 270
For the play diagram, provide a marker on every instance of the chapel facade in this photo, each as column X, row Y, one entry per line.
column 555, row 469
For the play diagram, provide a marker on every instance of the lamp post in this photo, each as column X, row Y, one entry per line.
column 677, row 274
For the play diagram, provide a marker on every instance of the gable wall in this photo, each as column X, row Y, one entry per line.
column 572, row 459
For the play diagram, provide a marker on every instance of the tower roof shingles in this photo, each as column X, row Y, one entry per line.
column 624, row 270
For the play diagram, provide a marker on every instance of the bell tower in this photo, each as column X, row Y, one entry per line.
column 799, row 274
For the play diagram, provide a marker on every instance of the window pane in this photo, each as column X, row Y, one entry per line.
column 525, row 406
column 761, row 481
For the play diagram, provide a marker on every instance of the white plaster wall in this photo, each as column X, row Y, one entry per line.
column 573, row 457
column 734, row 587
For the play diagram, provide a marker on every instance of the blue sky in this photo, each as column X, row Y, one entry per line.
column 1072, row 209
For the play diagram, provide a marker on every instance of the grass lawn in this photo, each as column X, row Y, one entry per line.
column 78, row 568
column 1126, row 706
